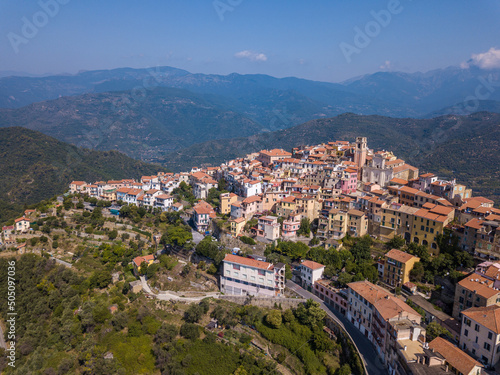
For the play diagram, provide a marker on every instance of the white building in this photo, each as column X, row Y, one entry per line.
column 251, row 188
column 164, row 201
column 480, row 333
column 268, row 228
column 310, row 272
column 245, row 276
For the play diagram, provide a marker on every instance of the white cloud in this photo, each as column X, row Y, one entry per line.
column 252, row 56
column 387, row 65
column 486, row 60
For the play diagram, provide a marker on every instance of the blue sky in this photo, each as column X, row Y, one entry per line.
column 276, row 37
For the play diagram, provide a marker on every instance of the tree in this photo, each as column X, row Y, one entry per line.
column 397, row 242
column 361, row 248
column 125, row 211
column 417, row 272
column 166, row 333
column 190, row 331
column 113, row 234
column 345, row 369
column 176, row 235
column 186, row 270
column 305, row 227
column 193, row 314
column 310, row 314
column 212, row 270
column 273, row 318
column 434, row 330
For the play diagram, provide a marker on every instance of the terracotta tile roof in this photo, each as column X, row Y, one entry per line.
column 21, row 219
column 480, row 284
column 391, row 307
column 289, row 199
column 164, row 196
column 404, row 167
column 248, row 262
column 203, row 208
column 135, row 191
column 138, row 260
column 399, row 256
column 79, row 183
column 124, row 190
column 397, row 161
column 355, row 213
column 488, row 316
column 425, row 175
column 276, row 152
column 239, row 220
column 454, row 356
column 399, row 181
column 251, row 199
column 409, row 190
column 371, row 292
column 312, row 265
column 474, row 223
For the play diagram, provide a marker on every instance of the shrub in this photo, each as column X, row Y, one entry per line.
column 247, row 240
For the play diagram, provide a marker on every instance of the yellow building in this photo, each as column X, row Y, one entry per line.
column 286, row 206
column 397, row 267
column 149, row 259
column 428, row 222
column 308, row 206
column 237, row 226
column 333, row 225
column 226, row 200
column 396, row 220
column 357, row 224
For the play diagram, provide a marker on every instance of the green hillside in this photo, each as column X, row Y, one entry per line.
column 34, row 167
column 163, row 120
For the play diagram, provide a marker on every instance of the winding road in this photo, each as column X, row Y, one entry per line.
column 369, row 356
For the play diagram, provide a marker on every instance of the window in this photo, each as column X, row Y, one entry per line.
column 490, row 335
column 476, row 328
column 466, row 333
column 487, row 346
column 467, row 322
column 236, row 266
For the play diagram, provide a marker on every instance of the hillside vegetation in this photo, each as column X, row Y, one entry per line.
column 34, row 167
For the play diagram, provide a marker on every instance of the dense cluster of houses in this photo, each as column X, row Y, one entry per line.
column 347, row 187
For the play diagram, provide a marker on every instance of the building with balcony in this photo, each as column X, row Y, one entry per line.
column 268, row 228
column 244, row 276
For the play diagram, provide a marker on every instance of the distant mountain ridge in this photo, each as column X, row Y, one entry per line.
column 164, row 120
column 259, row 96
column 34, row 167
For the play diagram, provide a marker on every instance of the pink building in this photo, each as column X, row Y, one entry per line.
column 291, row 226
column 349, row 182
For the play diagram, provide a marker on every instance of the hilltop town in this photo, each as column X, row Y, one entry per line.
column 407, row 258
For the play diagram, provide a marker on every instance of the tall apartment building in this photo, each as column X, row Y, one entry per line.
column 476, row 290
column 380, row 316
column 397, row 267
column 244, row 276
column 480, row 334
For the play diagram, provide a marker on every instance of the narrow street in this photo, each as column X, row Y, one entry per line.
column 371, row 359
